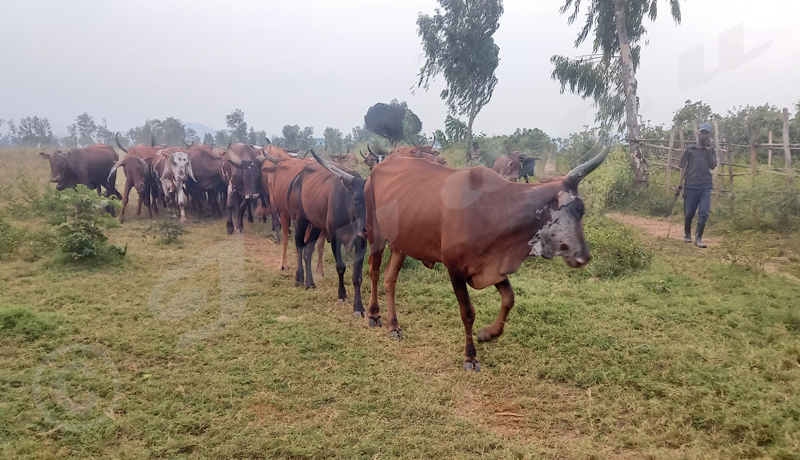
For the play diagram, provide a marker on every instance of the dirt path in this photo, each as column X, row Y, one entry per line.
column 658, row 228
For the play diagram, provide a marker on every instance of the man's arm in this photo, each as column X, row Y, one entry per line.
column 684, row 163
column 712, row 158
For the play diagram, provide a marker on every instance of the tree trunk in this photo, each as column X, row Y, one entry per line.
column 787, row 153
column 638, row 162
column 469, row 128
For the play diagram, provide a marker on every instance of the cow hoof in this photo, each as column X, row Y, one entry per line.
column 313, row 286
column 483, row 335
column 341, row 301
column 375, row 322
column 358, row 314
column 230, row 230
column 396, row 334
column 472, row 366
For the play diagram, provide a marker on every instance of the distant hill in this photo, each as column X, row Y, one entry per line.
column 201, row 129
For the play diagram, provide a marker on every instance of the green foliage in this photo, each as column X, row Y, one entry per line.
column 766, row 205
column 236, row 124
column 296, row 138
column 599, row 75
column 167, row 231
column 616, row 249
column 459, row 44
column 22, row 321
column 10, row 238
column 741, row 249
column 333, row 140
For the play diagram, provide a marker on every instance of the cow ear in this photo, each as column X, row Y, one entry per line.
column 234, row 164
column 46, row 156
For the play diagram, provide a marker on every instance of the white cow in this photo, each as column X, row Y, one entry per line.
column 172, row 166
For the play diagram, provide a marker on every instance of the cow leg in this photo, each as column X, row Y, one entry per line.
column 467, row 317
column 285, row 232
column 375, row 260
column 507, row 303
column 358, row 266
column 276, row 224
column 389, row 283
column 182, row 204
column 145, row 197
column 308, row 253
column 301, row 225
column 320, row 254
column 125, row 196
column 230, row 205
column 336, row 247
column 111, row 186
column 240, row 214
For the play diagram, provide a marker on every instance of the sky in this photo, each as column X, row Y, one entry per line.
column 324, row 63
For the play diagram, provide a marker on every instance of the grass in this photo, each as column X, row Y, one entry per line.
column 684, row 358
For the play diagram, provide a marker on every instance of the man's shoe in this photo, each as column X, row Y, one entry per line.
column 687, row 238
column 698, row 240
column 699, row 243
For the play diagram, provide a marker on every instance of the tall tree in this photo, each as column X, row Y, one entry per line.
column 608, row 75
column 236, row 124
column 208, row 139
column 34, row 132
column 333, row 140
column 104, row 135
column 459, row 45
column 83, row 129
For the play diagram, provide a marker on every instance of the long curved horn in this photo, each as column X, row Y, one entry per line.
column 268, row 141
column 345, row 176
column 370, row 150
column 362, row 154
column 234, row 158
column 303, row 155
column 114, row 168
column 116, row 137
column 268, row 157
column 579, row 172
column 292, row 154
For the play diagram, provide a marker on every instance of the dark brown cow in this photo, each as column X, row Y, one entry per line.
column 411, row 152
column 241, row 170
column 515, row 165
column 139, row 176
column 151, row 193
column 90, row 166
column 206, row 165
column 326, row 197
column 479, row 225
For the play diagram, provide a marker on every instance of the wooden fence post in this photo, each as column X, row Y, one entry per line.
column 769, row 152
column 786, row 151
column 669, row 157
column 719, row 179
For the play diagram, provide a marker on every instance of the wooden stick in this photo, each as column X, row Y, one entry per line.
column 669, row 155
column 719, row 181
column 786, row 151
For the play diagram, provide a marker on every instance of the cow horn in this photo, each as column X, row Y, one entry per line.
column 579, row 172
column 114, row 168
column 362, row 154
column 434, row 139
column 234, row 158
column 293, row 155
column 268, row 157
column 268, row 141
column 370, row 150
column 152, row 140
column 347, row 177
column 116, row 136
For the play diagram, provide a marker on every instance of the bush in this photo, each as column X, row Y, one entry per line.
column 25, row 322
column 615, row 248
column 766, row 205
column 10, row 238
column 167, row 231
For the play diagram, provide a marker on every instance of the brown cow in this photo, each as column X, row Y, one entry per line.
column 137, row 175
column 479, row 225
column 151, row 193
column 515, row 165
column 89, row 166
column 206, row 165
column 326, row 197
column 347, row 159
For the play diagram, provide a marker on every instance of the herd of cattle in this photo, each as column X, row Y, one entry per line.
column 479, row 223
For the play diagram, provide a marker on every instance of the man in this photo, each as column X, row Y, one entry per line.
column 474, row 155
column 696, row 182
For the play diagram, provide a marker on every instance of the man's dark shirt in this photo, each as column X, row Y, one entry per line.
column 700, row 161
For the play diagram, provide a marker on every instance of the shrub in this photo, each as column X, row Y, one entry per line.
column 10, row 238
column 23, row 321
column 761, row 206
column 167, row 231
column 615, row 248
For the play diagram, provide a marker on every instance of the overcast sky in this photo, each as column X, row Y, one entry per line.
column 324, row 62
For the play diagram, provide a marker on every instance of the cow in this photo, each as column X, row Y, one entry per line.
column 151, row 194
column 373, row 158
column 173, row 168
column 89, row 166
column 418, row 152
column 326, row 197
column 206, row 165
column 515, row 165
column 241, row 170
column 137, row 175
column 277, row 176
column 479, row 225
column 347, row 159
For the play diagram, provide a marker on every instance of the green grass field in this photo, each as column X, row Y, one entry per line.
column 157, row 356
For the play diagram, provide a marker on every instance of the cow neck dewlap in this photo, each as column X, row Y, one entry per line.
column 557, row 224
